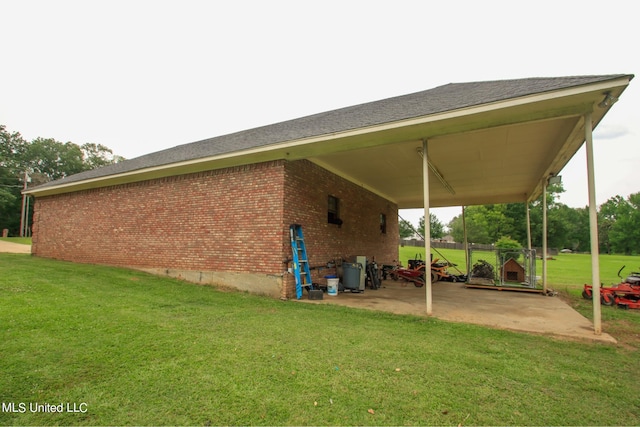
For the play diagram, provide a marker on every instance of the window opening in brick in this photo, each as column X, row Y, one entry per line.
column 383, row 223
column 334, row 211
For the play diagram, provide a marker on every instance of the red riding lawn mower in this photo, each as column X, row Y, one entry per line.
column 625, row 294
column 415, row 272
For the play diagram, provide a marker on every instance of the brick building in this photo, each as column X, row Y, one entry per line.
column 219, row 210
column 226, row 226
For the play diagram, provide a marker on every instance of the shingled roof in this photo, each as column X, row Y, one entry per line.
column 449, row 97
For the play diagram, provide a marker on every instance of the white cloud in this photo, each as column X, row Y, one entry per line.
column 611, row 131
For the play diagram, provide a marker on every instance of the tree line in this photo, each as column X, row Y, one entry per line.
column 39, row 161
column 618, row 224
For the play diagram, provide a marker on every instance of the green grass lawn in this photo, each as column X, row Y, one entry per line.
column 144, row 350
column 21, row 240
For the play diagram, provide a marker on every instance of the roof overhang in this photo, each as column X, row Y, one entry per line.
column 497, row 152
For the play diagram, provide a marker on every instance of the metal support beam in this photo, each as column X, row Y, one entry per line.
column 427, row 228
column 593, row 226
column 528, row 225
column 544, row 235
column 466, row 242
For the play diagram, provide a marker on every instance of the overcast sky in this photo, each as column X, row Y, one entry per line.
column 141, row 76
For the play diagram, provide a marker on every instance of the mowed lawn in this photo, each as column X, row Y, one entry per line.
column 128, row 348
column 19, row 240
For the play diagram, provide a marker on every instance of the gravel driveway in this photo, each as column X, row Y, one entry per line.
column 14, row 248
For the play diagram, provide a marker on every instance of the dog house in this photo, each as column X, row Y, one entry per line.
column 512, row 271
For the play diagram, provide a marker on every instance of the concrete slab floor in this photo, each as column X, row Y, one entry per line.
column 517, row 311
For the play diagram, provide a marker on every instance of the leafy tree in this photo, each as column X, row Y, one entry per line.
column 517, row 212
column 622, row 220
column 406, row 229
column 629, row 227
column 579, row 237
column 436, row 228
column 618, row 224
column 508, row 248
column 476, row 222
column 607, row 217
column 498, row 223
column 12, row 147
column 44, row 159
column 557, row 225
column 54, row 159
column 9, row 200
column 489, row 223
column 97, row 155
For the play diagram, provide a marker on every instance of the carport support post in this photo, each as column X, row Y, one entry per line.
column 544, row 235
column 528, row 225
column 593, row 226
column 466, row 241
column 427, row 226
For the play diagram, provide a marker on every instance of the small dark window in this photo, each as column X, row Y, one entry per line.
column 334, row 211
column 383, row 223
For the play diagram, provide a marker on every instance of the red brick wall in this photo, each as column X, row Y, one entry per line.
column 307, row 188
column 223, row 220
column 230, row 220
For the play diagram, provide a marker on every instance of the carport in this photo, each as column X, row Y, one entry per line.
column 471, row 143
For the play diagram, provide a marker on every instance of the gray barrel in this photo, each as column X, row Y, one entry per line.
column 351, row 275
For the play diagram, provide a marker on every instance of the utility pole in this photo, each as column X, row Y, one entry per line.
column 25, row 213
column 27, row 230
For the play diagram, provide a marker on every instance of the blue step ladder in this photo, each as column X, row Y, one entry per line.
column 301, row 269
